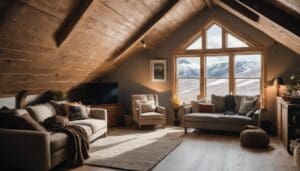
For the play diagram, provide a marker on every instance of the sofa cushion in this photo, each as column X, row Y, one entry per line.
column 58, row 140
column 219, row 102
column 58, row 105
column 76, row 111
column 151, row 115
column 247, row 105
column 234, row 119
column 94, row 124
column 238, row 99
column 202, row 117
column 41, row 112
column 87, row 129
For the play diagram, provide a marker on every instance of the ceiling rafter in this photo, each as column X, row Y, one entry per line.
column 264, row 24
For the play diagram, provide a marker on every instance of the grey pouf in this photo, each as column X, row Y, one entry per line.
column 254, row 137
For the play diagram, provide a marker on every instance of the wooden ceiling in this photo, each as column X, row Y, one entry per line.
column 58, row 44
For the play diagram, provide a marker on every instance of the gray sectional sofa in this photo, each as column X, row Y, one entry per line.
column 41, row 151
column 219, row 120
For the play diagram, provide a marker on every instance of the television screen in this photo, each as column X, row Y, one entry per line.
column 101, row 93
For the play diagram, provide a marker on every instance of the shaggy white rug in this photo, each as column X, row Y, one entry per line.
column 132, row 149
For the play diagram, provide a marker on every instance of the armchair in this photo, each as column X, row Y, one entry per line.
column 146, row 111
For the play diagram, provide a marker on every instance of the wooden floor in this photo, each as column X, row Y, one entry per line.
column 215, row 151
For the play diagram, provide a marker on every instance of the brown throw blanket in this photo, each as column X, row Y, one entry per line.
column 78, row 136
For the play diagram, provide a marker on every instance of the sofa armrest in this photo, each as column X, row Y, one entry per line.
column 26, row 150
column 98, row 113
column 186, row 110
column 256, row 117
column 161, row 110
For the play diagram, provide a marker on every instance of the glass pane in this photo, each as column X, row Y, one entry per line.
column 188, row 67
column 188, row 89
column 217, row 87
column 233, row 41
column 197, row 44
column 248, row 87
column 217, row 67
column 214, row 37
column 247, row 66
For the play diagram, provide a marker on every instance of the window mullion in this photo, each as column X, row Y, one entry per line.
column 202, row 80
column 231, row 74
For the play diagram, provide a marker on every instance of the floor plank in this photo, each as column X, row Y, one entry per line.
column 219, row 151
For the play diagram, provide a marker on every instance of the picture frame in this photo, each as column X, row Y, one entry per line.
column 158, row 70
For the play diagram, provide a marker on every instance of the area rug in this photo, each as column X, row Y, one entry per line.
column 131, row 149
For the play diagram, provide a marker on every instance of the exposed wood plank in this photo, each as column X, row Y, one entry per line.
column 144, row 30
column 270, row 28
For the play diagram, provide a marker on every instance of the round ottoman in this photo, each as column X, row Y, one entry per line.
column 254, row 137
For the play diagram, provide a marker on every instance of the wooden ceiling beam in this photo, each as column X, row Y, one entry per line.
column 270, row 28
column 275, row 14
column 209, row 3
column 136, row 39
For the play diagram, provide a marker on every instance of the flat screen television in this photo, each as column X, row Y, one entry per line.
column 102, row 93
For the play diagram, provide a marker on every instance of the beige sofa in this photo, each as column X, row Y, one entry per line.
column 41, row 151
column 218, row 121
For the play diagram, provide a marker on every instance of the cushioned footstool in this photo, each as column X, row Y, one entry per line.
column 254, row 137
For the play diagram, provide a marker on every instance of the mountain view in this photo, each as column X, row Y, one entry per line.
column 217, row 72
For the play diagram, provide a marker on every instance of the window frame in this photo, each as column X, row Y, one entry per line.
column 254, row 48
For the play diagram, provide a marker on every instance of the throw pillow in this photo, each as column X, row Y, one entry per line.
column 195, row 104
column 238, row 99
column 219, row 102
column 251, row 112
column 41, row 112
column 58, row 105
column 147, row 107
column 76, row 111
column 246, row 106
column 26, row 122
column 206, row 108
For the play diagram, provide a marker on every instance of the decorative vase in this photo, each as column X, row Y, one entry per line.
column 176, row 121
column 297, row 155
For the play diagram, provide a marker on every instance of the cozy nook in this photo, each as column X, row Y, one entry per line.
column 90, row 85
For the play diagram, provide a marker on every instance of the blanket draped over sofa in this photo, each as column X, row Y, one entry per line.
column 77, row 135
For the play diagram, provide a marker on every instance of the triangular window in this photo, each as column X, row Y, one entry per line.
column 195, row 45
column 234, row 42
column 214, row 37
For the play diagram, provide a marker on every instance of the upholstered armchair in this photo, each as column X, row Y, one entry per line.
column 146, row 111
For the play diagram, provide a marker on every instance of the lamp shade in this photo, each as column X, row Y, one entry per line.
column 278, row 81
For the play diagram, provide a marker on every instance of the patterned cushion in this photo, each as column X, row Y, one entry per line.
column 146, row 106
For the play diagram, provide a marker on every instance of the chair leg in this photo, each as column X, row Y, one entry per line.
column 140, row 126
column 163, row 126
column 185, row 130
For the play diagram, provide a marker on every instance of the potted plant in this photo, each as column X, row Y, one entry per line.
column 176, row 103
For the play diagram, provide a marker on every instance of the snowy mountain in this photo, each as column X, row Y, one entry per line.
column 187, row 69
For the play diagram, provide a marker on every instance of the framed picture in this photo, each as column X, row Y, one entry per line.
column 158, row 70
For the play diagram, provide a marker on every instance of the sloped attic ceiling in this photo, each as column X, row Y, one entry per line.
column 58, row 44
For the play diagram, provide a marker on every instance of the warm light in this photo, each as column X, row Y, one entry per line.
column 143, row 43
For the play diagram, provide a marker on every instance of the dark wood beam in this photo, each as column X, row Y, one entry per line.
column 275, row 14
column 137, row 37
column 209, row 3
column 241, row 9
column 72, row 19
